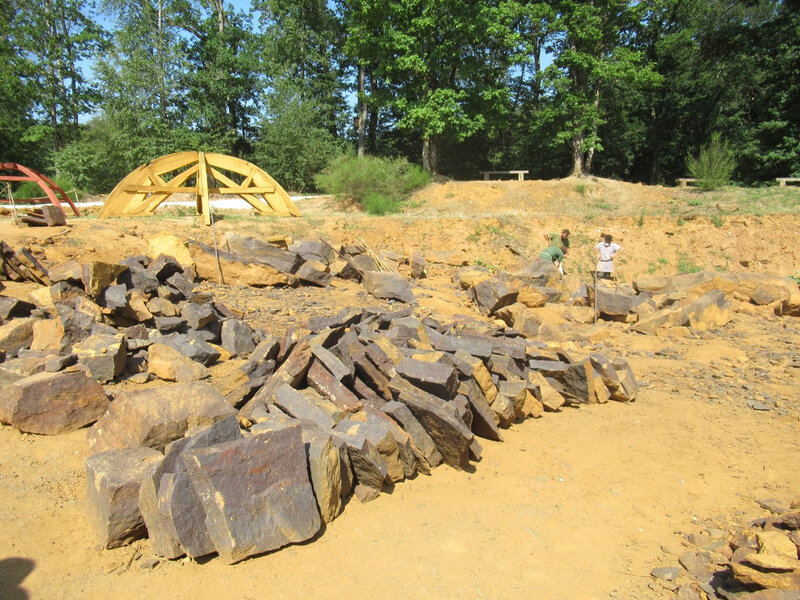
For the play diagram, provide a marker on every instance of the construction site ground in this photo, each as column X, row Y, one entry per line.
column 579, row 504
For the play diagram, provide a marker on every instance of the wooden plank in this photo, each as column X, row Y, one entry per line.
column 254, row 201
column 202, row 188
column 170, row 162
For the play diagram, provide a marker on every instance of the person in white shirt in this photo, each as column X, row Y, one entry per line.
column 606, row 251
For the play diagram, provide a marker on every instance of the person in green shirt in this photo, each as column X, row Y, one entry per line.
column 560, row 241
column 555, row 255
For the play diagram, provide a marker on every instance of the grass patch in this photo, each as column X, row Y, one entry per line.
column 640, row 220
column 486, row 265
column 603, row 205
column 686, row 264
column 718, row 221
column 379, row 185
column 581, row 188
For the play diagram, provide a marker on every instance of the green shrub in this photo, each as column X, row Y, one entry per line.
column 376, row 203
column 718, row 221
column 714, row 164
column 31, row 189
column 381, row 184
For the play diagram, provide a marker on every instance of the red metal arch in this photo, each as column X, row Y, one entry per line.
column 54, row 193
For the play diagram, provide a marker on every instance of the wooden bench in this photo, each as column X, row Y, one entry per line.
column 520, row 174
column 685, row 181
column 782, row 181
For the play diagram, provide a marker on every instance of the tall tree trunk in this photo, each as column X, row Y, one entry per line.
column 577, row 155
column 590, row 152
column 162, row 84
column 219, row 8
column 372, row 131
column 362, row 112
column 431, row 146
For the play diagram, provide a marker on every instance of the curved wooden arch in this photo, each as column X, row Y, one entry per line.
column 146, row 187
column 52, row 192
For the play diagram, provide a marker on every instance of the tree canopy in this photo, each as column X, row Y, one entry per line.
column 616, row 88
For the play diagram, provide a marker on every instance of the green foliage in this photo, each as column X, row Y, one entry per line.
column 713, row 165
column 581, row 188
column 386, row 182
column 376, row 203
column 31, row 189
column 717, row 220
column 686, row 264
column 294, row 146
column 640, row 220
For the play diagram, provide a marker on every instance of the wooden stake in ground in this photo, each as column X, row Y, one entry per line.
column 594, row 273
column 216, row 250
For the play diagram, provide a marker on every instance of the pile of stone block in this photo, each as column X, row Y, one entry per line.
column 362, row 402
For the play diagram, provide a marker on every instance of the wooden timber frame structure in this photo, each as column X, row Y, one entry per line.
column 146, row 187
column 53, row 193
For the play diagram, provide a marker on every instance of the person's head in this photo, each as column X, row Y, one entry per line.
column 607, row 238
column 564, row 234
column 564, row 249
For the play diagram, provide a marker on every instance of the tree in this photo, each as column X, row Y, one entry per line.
column 56, row 36
column 593, row 50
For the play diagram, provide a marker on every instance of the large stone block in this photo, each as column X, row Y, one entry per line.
column 114, row 478
column 157, row 416
column 104, row 355
column 391, row 286
column 170, row 507
column 325, row 470
column 492, row 294
column 451, row 436
column 255, row 492
column 53, row 403
column 435, row 377
column 16, row 335
column 237, row 337
column 167, row 363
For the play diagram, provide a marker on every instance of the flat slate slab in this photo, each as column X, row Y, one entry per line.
column 256, row 493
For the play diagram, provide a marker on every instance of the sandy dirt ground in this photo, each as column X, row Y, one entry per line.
column 578, row 504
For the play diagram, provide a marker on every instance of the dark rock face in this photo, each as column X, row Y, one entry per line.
column 388, row 285
column 114, row 478
column 492, row 294
column 451, row 436
column 170, row 507
column 53, row 403
column 255, row 492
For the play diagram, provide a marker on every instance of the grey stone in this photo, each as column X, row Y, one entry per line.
column 52, row 403
column 255, row 492
column 237, row 337
column 484, row 420
column 104, row 355
column 325, row 470
column 436, row 378
column 368, row 465
column 451, row 436
column 388, row 285
column 170, row 507
column 115, row 296
column 198, row 315
column 297, row 405
column 112, row 494
column 157, row 416
column 492, row 294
